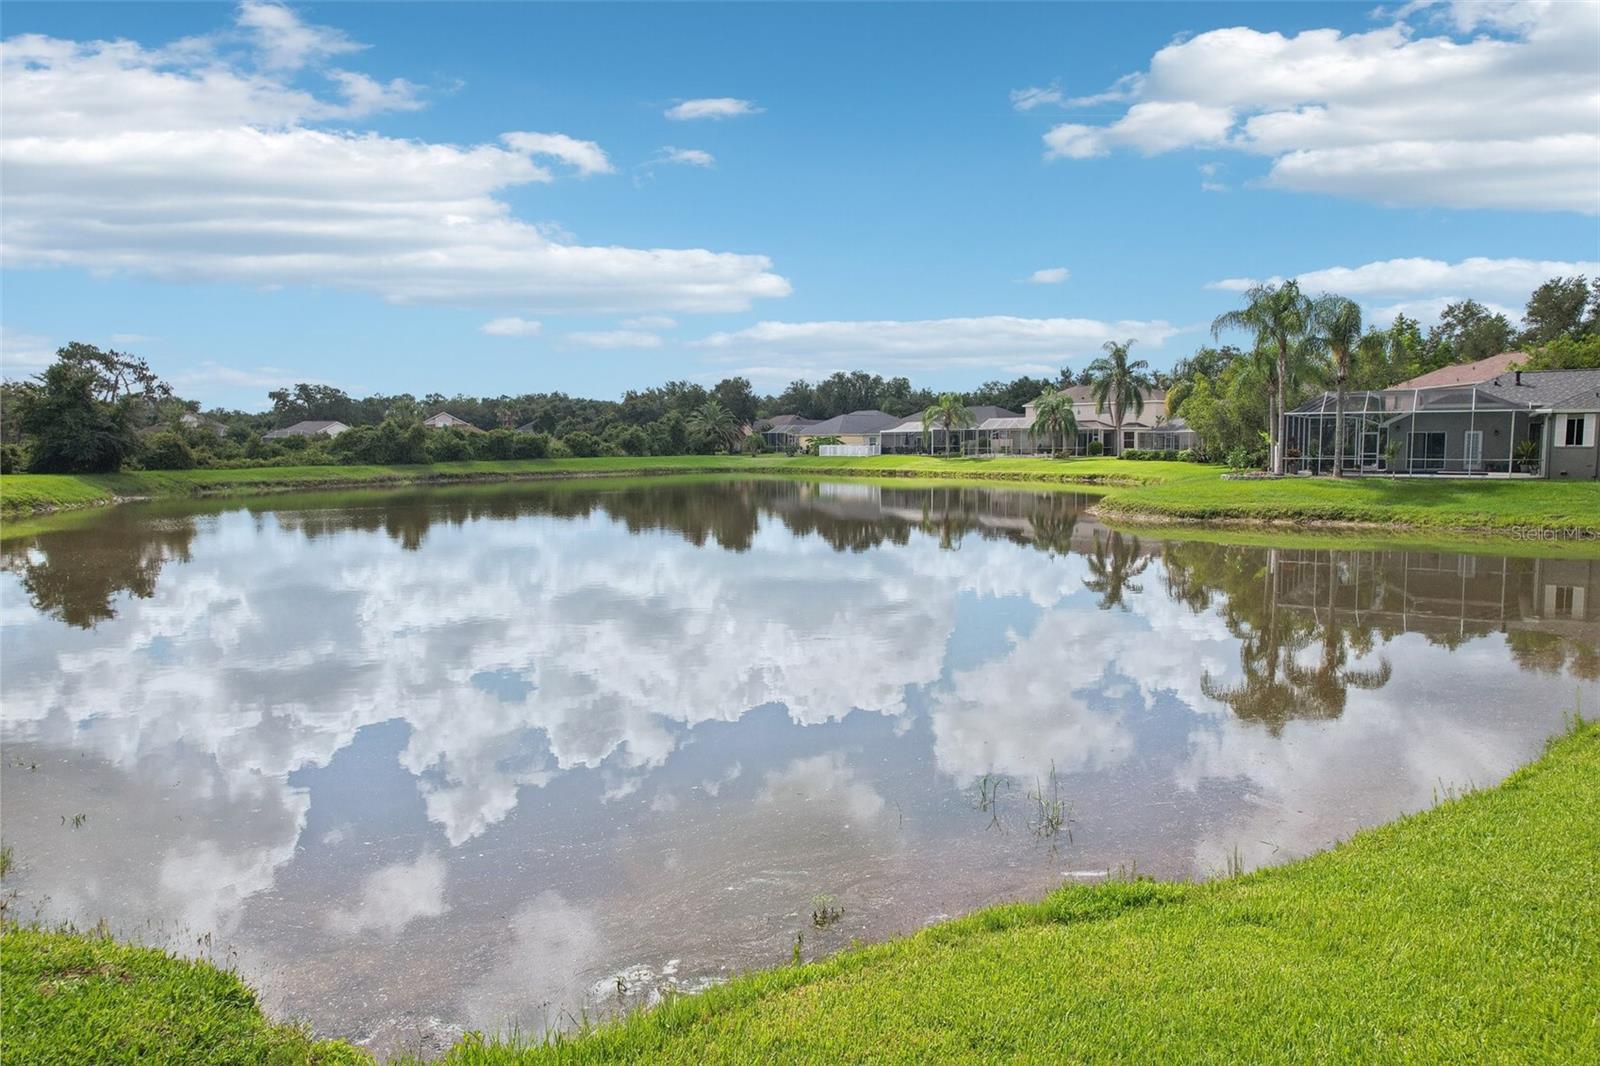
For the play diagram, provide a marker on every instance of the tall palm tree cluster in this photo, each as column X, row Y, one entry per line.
column 1298, row 338
column 1117, row 384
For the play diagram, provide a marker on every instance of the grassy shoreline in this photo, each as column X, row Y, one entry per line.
column 1135, row 492
column 1467, row 932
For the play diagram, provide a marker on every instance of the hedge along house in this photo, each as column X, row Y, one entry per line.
column 1516, row 424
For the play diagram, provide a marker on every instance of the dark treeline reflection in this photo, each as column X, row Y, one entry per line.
column 74, row 574
column 848, row 517
column 1312, row 624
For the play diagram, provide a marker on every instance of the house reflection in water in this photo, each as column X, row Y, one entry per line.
column 1445, row 596
column 1311, row 623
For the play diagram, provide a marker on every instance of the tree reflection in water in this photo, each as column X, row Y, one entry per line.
column 1114, row 562
column 76, row 574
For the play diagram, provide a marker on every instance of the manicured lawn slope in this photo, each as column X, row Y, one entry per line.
column 1417, row 502
column 1468, row 933
column 1135, row 490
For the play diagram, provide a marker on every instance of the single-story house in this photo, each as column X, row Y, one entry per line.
column 907, row 436
column 307, row 429
column 1531, row 423
column 446, row 420
column 781, row 431
column 858, row 429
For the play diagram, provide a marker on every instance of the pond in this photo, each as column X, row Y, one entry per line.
column 428, row 761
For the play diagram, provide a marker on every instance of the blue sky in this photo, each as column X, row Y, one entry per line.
column 352, row 193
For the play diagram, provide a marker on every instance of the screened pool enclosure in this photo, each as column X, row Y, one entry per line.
column 1452, row 431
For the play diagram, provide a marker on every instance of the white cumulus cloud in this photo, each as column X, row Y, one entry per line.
column 1489, row 106
column 586, row 157
column 511, row 326
column 693, row 157
column 711, row 107
column 1050, row 276
column 196, row 162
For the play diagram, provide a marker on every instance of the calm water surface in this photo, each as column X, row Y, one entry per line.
column 480, row 758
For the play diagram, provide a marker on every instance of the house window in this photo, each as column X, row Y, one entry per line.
column 1564, row 601
column 1575, row 431
column 1127, row 438
column 1427, row 450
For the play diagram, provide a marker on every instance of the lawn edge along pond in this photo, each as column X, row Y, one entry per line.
column 1135, row 492
column 1467, row 932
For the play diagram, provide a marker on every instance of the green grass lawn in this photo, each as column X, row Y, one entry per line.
column 1467, row 933
column 1150, row 491
column 72, row 998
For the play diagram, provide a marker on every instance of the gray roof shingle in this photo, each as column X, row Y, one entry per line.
column 854, row 422
column 1560, row 389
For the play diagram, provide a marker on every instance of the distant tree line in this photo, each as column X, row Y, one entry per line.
column 100, row 411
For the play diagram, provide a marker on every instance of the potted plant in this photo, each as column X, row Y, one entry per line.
column 1526, row 455
column 1390, row 453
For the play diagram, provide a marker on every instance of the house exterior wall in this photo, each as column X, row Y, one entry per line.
column 1501, row 430
column 1573, row 463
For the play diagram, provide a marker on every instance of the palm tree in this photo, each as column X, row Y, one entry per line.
column 1118, row 384
column 950, row 414
column 1111, row 573
column 1279, row 316
column 1052, row 414
column 716, row 421
column 1338, row 321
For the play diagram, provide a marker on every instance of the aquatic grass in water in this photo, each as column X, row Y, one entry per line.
column 1052, row 815
column 825, row 911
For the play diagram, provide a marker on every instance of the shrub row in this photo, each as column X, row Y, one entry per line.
column 1186, row 455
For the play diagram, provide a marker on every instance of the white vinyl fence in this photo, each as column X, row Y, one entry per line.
column 847, row 449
